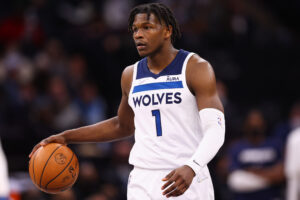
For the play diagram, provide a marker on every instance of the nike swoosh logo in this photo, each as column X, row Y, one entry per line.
column 196, row 163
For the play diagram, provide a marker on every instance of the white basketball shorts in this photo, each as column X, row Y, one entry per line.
column 146, row 184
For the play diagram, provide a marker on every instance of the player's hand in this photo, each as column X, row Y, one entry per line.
column 178, row 181
column 52, row 139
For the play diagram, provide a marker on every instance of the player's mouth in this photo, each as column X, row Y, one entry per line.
column 141, row 46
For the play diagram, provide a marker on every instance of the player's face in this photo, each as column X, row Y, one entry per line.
column 148, row 33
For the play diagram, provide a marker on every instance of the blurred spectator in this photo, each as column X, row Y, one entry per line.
column 232, row 120
column 52, row 58
column 32, row 194
column 284, row 128
column 23, row 27
column 116, row 12
column 23, row 188
column 255, row 169
column 292, row 165
column 92, row 110
column 65, row 195
column 17, row 68
column 76, row 73
column 91, row 104
column 121, row 150
column 66, row 112
column 111, row 191
column 76, row 13
column 89, row 181
column 98, row 196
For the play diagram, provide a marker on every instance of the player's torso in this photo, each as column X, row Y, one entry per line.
column 166, row 120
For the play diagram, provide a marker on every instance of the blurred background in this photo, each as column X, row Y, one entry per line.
column 60, row 68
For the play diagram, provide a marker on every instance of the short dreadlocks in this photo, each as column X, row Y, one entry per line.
column 162, row 12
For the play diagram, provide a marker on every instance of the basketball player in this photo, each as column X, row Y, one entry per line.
column 169, row 102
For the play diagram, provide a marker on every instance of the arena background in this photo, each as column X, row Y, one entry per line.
column 61, row 63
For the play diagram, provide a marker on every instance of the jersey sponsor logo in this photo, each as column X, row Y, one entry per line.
column 172, row 78
column 157, row 99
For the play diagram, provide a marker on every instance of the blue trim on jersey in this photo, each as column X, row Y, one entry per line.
column 174, row 68
column 157, row 86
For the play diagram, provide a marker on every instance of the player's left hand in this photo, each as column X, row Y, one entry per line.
column 178, row 180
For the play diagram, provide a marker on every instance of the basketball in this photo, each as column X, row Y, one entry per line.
column 53, row 168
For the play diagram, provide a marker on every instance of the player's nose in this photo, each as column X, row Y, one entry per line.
column 138, row 34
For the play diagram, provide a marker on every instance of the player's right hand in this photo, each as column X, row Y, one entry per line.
column 52, row 139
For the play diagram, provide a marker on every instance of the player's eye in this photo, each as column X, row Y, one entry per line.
column 134, row 29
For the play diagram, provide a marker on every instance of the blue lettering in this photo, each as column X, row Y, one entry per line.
column 137, row 101
column 157, row 99
column 177, row 97
column 144, row 100
column 160, row 98
column 169, row 98
column 153, row 100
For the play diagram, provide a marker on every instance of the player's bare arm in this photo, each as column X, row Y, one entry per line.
column 112, row 129
column 202, row 83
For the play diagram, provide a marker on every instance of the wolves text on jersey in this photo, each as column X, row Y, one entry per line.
column 156, row 99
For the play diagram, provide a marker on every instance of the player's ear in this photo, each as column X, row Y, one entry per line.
column 168, row 31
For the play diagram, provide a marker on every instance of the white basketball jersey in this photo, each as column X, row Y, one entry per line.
column 167, row 122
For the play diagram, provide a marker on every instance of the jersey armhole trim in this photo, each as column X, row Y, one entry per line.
column 133, row 77
column 184, row 72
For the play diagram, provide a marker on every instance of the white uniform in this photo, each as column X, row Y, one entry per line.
column 167, row 130
column 292, row 165
column 4, row 182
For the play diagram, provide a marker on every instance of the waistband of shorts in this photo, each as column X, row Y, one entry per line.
column 149, row 169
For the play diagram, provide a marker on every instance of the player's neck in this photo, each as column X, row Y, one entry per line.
column 161, row 59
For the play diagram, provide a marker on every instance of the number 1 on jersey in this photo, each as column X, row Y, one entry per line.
column 156, row 114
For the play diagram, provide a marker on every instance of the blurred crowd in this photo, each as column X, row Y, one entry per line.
column 60, row 68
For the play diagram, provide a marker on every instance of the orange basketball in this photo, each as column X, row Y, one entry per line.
column 53, row 168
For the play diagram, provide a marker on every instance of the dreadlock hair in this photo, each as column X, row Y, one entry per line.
column 162, row 12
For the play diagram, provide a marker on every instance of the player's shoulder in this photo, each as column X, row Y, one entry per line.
column 128, row 71
column 200, row 75
column 126, row 78
column 198, row 63
column 198, row 67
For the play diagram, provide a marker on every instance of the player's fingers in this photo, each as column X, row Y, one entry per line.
column 178, row 191
column 169, row 189
column 42, row 143
column 172, row 187
column 34, row 149
column 168, row 176
column 171, row 180
column 167, row 184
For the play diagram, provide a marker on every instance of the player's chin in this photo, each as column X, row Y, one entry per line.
column 143, row 52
